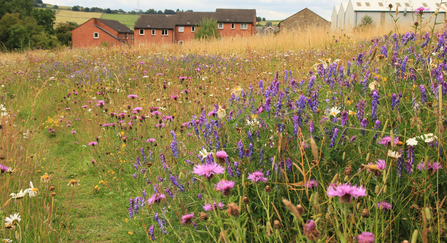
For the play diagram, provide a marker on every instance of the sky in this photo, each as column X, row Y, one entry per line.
column 269, row 9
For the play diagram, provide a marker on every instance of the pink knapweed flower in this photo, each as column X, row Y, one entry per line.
column 366, row 237
column 133, row 96
column 384, row 205
column 156, row 198
column 346, row 192
column 257, row 176
column 187, row 218
column 312, row 184
column 225, row 187
column 387, row 140
column 421, row 10
column 221, row 154
column 93, row 143
column 208, row 170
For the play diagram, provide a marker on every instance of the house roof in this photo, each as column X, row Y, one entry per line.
column 403, row 5
column 235, row 15
column 305, row 9
column 156, row 21
column 115, row 25
column 162, row 21
column 343, row 6
column 193, row 18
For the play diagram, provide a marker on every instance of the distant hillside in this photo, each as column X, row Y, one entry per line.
column 63, row 16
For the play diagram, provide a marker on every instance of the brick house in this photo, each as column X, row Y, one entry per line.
column 304, row 19
column 181, row 27
column 95, row 31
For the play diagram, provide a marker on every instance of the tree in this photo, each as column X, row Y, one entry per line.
column 207, row 30
column 258, row 19
column 160, row 12
column 150, row 11
column 86, row 9
column 169, row 11
column 23, row 7
column 63, row 32
column 55, row 7
column 45, row 18
column 108, row 10
column 75, row 8
column 263, row 19
column 366, row 22
column 268, row 24
column 6, row 22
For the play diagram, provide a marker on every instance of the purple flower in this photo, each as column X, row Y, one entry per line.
column 93, row 143
column 151, row 232
column 208, row 207
column 3, row 168
column 257, row 176
column 221, row 154
column 384, row 205
column 156, row 198
column 208, row 170
column 240, row 146
column 421, row 10
column 364, row 123
column 360, row 107
column 366, row 237
column 344, row 118
column 310, row 230
column 312, row 184
column 225, row 187
column 221, row 205
column 353, row 139
column 375, row 101
column 334, row 136
column 187, row 218
column 387, row 140
column 423, row 94
column 346, row 192
column 132, row 96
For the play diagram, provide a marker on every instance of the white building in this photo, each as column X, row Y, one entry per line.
column 355, row 10
column 334, row 17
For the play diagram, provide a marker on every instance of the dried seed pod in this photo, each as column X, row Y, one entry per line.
column 233, row 210
column 203, row 216
column 276, row 224
column 245, row 200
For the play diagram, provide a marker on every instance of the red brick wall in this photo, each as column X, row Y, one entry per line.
column 83, row 35
column 186, row 35
column 237, row 31
column 154, row 39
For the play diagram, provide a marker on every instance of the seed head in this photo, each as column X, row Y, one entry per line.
column 233, row 210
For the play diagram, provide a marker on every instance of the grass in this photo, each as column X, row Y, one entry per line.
column 78, row 17
column 54, row 117
column 126, row 19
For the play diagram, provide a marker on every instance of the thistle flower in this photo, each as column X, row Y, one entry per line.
column 257, row 176
column 4, row 169
column 346, row 192
column 187, row 219
column 421, row 10
column 384, row 205
column 133, row 96
column 208, row 170
column 208, row 207
column 365, row 237
column 221, row 155
column 387, row 140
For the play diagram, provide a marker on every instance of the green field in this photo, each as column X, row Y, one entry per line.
column 126, row 19
column 274, row 22
column 78, row 17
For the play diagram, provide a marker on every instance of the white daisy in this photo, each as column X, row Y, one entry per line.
column 412, row 142
column 253, row 122
column 12, row 220
column 334, row 111
column 221, row 112
column 203, row 153
column 19, row 195
column 6, row 241
column 32, row 192
column 394, row 154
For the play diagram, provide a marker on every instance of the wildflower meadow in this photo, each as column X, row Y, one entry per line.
column 311, row 137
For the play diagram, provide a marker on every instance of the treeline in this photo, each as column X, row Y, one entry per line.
column 24, row 27
column 121, row 11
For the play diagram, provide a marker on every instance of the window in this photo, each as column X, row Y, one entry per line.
column 367, row 4
column 181, row 29
column 359, row 4
column 153, row 32
column 193, row 28
column 220, row 26
column 95, row 35
column 243, row 26
column 141, row 31
column 164, row 32
column 380, row 4
column 127, row 36
column 232, row 26
column 425, row 5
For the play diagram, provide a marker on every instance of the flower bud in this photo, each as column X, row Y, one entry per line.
column 427, row 213
column 276, row 224
column 245, row 200
column 365, row 213
column 268, row 189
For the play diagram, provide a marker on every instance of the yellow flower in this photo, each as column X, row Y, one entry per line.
column 130, row 233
